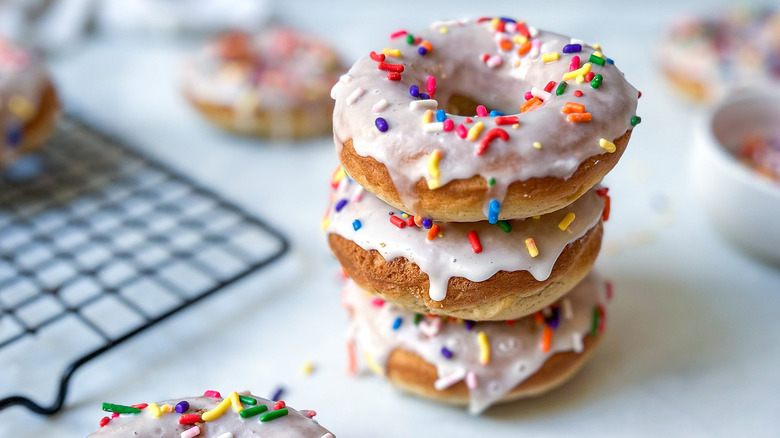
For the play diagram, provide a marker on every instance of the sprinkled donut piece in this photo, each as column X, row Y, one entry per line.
column 495, row 82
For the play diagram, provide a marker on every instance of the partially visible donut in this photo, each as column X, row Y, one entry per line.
column 272, row 84
column 28, row 102
column 408, row 128
column 477, row 364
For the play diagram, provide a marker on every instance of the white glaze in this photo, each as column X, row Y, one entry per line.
column 145, row 425
column 456, row 64
column 452, row 255
column 515, row 352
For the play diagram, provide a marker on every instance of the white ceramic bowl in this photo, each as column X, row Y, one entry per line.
column 743, row 206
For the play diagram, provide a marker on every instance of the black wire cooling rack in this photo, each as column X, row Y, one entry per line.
column 102, row 220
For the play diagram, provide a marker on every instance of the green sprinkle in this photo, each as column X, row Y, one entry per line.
column 119, row 409
column 251, row 412
column 505, row 226
column 247, row 400
column 273, row 415
column 596, row 82
column 594, row 329
column 596, row 60
column 491, row 181
column 561, row 88
column 410, row 39
column 417, row 318
column 636, row 120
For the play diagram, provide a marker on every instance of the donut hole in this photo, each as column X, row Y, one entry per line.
column 461, row 94
column 461, row 105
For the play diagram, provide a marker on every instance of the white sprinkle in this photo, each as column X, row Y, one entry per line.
column 355, row 95
column 533, row 31
column 471, row 380
column 430, row 326
column 423, row 104
column 433, row 127
column 494, row 61
column 328, row 435
column 447, row 381
column 379, row 106
column 510, row 27
column 576, row 339
column 226, row 435
column 535, row 49
column 577, row 41
column 333, row 90
column 191, row 432
column 541, row 94
column 567, row 313
column 345, row 78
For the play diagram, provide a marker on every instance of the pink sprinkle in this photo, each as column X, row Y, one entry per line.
column 494, row 61
column 471, row 380
column 467, row 120
column 114, row 415
column 214, row 394
column 191, row 432
column 309, row 413
column 461, row 131
column 449, row 125
column 430, row 86
column 575, row 63
column 610, row 290
column 482, row 111
column 398, row 33
column 578, row 93
column 377, row 302
column 528, row 95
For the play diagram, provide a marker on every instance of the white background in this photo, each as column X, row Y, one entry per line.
column 693, row 335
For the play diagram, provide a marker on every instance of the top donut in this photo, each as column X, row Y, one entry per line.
column 486, row 118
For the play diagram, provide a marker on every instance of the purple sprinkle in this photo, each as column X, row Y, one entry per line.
column 182, row 407
column 414, row 90
column 422, row 50
column 425, row 96
column 427, row 223
column 340, row 205
column 554, row 319
column 356, row 225
column 446, row 353
column 572, row 48
column 278, row 394
column 468, row 324
column 381, row 124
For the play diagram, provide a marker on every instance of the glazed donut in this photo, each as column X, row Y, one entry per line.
column 405, row 126
column 703, row 57
column 472, row 270
column 477, row 364
column 210, row 416
column 273, row 84
column 28, row 102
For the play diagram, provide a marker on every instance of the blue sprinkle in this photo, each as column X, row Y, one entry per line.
column 14, row 135
column 414, row 90
column 424, row 96
column 381, row 124
column 422, row 50
column 278, row 394
column 493, row 210
column 468, row 324
column 446, row 353
column 427, row 223
column 340, row 205
column 508, row 20
column 572, row 48
column 441, row 115
column 397, row 323
column 356, row 225
column 495, row 113
column 610, row 61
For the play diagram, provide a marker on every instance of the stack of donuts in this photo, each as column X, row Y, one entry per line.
column 467, row 211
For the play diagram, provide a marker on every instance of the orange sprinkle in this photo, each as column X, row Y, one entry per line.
column 428, row 46
column 418, row 220
column 579, row 117
column 530, row 104
column 351, row 358
column 530, row 244
column 539, row 318
column 524, row 48
column 546, row 342
column 433, row 232
column 605, row 215
column 505, row 45
column 571, row 107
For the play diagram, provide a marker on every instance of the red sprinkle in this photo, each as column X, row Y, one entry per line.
column 490, row 136
column 410, row 221
column 461, row 131
column 474, row 240
column 140, row 406
column 309, row 413
column 511, row 322
column 485, row 57
column 602, row 191
column 393, row 76
column 114, row 415
column 640, row 95
column 602, row 319
column 522, row 30
column 397, row 221
column 430, row 86
column 548, row 88
column 575, row 63
column 189, row 418
column 589, row 76
column 501, row 26
column 398, row 68
column 104, row 421
column 483, row 19
column 398, row 33
column 279, row 405
column 577, row 93
column 377, row 302
column 610, row 290
column 506, row 120
column 417, row 41
column 449, row 125
column 214, row 394
column 605, row 215
column 467, row 120
column 377, row 57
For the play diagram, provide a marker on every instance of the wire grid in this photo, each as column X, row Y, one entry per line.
column 99, row 219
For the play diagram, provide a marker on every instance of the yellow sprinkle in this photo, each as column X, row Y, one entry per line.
column 428, row 116
column 154, row 410
column 607, row 145
column 236, row 402
column 597, row 46
column 325, row 223
column 339, row 175
column 475, row 131
column 519, row 39
column 551, row 56
column 395, row 53
column 537, row 217
column 567, row 220
column 537, row 145
column 533, row 251
column 516, row 126
column 444, row 29
column 373, row 365
column 582, row 71
column 433, row 163
column 21, row 107
column 433, row 184
column 517, row 63
column 217, row 411
column 484, row 348
column 307, row 368
column 166, row 409
column 598, row 54
column 495, row 22
column 405, row 215
column 580, row 79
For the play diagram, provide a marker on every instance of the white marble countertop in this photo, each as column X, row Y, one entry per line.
column 691, row 347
